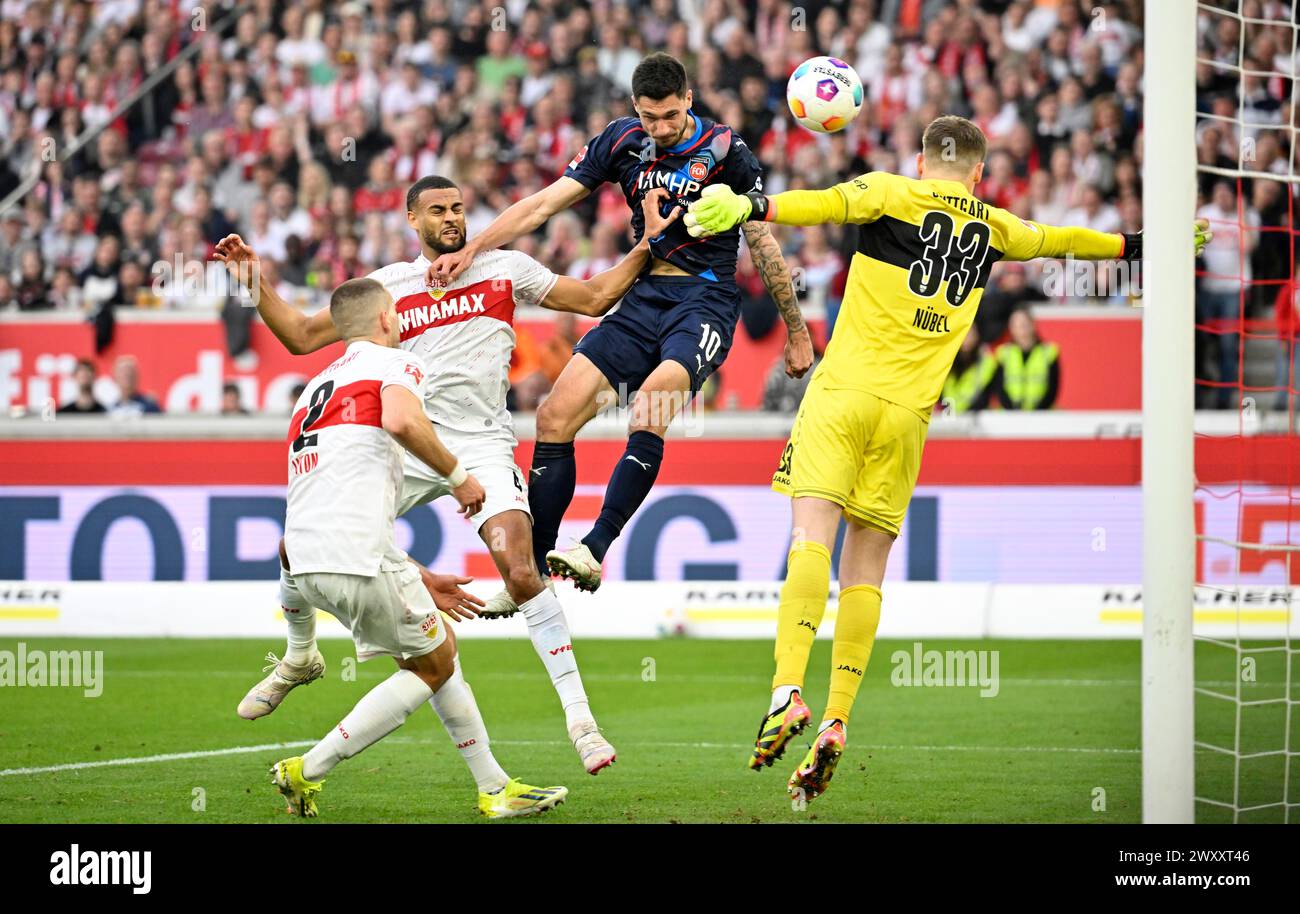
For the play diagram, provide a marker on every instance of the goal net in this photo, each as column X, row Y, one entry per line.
column 1245, row 729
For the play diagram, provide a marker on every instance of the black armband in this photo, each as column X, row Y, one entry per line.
column 758, row 211
column 1132, row 247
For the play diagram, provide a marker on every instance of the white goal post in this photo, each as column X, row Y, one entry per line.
column 1168, row 329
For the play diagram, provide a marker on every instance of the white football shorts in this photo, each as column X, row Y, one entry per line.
column 390, row 614
column 503, row 482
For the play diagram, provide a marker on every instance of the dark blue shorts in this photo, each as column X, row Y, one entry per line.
column 679, row 318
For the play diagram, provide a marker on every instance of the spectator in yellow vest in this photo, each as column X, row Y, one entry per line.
column 1029, row 369
column 970, row 381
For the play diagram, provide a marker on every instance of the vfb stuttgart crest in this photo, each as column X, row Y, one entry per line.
column 698, row 169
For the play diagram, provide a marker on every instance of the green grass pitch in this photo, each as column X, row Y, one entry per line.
column 1063, row 728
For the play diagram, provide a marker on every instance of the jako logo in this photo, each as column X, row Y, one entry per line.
column 78, row 867
column 466, row 744
column 852, row 669
column 344, row 732
column 562, row 649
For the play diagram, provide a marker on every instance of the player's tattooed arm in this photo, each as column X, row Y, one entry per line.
column 772, row 268
column 297, row 331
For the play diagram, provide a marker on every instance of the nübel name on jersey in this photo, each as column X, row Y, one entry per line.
column 928, row 319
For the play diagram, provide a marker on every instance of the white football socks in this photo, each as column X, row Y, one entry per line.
column 550, row 636
column 781, row 697
column 455, row 706
column 301, row 617
column 379, row 712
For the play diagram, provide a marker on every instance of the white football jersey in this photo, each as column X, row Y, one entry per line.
column 345, row 471
column 464, row 336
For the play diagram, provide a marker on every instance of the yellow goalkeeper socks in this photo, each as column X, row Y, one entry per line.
column 803, row 602
column 855, row 633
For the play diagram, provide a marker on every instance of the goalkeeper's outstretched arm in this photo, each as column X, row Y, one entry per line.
column 1028, row 240
column 863, row 199
column 817, row 207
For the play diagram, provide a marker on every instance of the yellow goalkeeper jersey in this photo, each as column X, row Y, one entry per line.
column 924, row 251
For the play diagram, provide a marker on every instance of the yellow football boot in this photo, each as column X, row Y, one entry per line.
column 776, row 731
column 299, row 793
column 517, row 799
column 813, row 775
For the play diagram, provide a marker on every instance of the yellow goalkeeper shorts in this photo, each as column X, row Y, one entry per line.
column 856, row 450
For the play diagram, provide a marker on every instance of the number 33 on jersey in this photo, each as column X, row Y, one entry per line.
column 924, row 252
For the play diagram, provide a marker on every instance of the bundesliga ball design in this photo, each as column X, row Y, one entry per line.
column 824, row 94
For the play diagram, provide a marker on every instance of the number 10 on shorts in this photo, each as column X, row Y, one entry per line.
column 710, row 340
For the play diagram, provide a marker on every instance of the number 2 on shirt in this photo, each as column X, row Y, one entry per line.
column 319, row 397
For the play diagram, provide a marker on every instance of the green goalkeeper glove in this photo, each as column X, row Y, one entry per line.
column 1201, row 236
column 718, row 209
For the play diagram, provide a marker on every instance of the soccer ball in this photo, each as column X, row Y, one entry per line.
column 824, row 94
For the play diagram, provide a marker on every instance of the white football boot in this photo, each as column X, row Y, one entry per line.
column 503, row 606
column 577, row 564
column 266, row 696
column 594, row 750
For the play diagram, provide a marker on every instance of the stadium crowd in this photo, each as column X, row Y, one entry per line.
column 302, row 124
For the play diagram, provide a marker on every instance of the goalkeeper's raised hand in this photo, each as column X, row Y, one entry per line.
column 718, row 209
column 1201, row 236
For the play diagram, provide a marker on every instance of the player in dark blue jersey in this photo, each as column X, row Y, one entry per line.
column 671, row 330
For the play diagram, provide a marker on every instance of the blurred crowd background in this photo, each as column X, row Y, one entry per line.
column 302, row 125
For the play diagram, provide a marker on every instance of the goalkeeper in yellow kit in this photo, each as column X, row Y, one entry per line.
column 924, row 251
